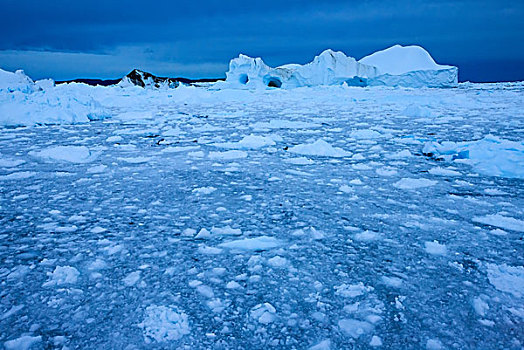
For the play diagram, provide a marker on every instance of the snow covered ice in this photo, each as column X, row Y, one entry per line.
column 322, row 217
column 24, row 102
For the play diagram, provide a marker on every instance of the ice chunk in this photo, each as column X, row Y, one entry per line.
column 189, row 232
column 62, row 275
column 284, row 124
column 435, row 248
column 115, row 139
column 179, row 149
column 72, row 154
column 490, row 156
column 134, row 160
column 254, row 244
column 298, row 161
column 13, row 310
column 17, row 175
column 132, row 278
column 509, row 279
column 480, row 306
column 227, row 155
column 97, row 169
column 375, row 341
column 386, row 171
column 434, row 344
column 367, row 236
column 354, row 328
column 205, row 291
column 10, row 163
column 498, row 220
column 209, row 250
column 98, row 264
column 323, row 345
column 418, row 111
column 319, row 148
column 364, row 134
column 25, row 342
column 171, row 132
column 391, row 281
column 233, row 285
column 134, row 116
column 443, row 172
column 413, row 184
column 277, row 261
column 352, row 290
column 346, row 189
column 248, row 142
column 162, row 323
column 264, row 313
column 227, row 230
column 204, row 190
column 203, row 233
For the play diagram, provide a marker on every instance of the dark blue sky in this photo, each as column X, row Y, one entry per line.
column 66, row 39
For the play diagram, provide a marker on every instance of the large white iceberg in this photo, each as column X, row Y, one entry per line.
column 409, row 66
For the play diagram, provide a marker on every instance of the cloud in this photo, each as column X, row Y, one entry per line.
column 69, row 65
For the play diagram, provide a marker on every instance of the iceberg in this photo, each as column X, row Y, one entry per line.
column 409, row 66
column 328, row 68
column 25, row 102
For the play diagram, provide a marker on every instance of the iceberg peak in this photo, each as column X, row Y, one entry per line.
column 17, row 81
column 398, row 59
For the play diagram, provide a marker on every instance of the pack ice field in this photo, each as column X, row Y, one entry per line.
column 322, row 217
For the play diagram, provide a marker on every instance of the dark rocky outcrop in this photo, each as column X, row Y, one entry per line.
column 143, row 79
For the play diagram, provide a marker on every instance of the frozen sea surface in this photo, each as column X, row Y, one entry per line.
column 187, row 222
